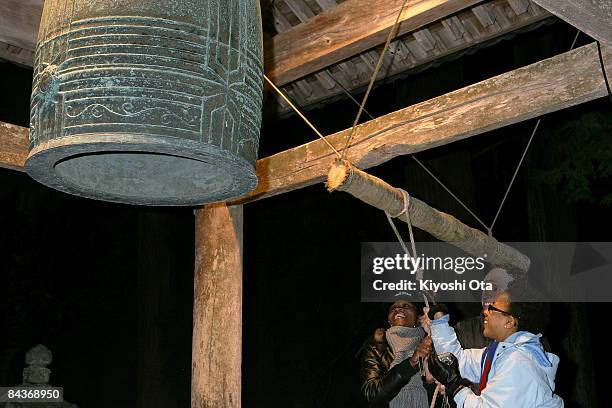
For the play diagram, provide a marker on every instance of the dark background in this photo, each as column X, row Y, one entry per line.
column 109, row 288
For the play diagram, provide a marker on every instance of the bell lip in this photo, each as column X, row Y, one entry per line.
column 42, row 159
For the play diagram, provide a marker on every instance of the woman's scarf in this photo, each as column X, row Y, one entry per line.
column 403, row 342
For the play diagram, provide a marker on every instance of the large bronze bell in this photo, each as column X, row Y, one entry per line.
column 154, row 102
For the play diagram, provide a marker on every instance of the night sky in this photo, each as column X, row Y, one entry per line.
column 109, row 287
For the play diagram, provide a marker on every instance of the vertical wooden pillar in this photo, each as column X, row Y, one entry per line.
column 217, row 314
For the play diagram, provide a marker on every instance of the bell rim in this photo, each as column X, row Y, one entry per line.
column 43, row 158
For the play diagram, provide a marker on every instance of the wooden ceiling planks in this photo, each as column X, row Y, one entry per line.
column 454, row 33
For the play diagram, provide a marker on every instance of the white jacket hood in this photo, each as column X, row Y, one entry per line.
column 530, row 345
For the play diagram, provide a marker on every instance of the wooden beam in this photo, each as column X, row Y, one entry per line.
column 556, row 83
column 15, row 54
column 343, row 176
column 594, row 17
column 13, row 146
column 19, row 21
column 217, row 313
column 346, row 30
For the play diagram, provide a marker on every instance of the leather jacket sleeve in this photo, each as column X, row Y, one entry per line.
column 379, row 385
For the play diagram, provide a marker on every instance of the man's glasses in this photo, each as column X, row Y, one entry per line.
column 490, row 308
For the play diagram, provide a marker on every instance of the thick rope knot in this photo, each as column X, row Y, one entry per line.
column 405, row 201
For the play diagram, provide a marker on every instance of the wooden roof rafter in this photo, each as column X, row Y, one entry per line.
column 594, row 17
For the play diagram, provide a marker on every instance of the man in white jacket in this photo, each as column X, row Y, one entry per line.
column 513, row 372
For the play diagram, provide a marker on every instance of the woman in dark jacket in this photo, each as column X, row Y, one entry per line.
column 390, row 375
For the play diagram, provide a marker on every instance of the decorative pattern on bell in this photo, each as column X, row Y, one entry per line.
column 154, row 102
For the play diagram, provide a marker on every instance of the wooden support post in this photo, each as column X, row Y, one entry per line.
column 345, row 177
column 217, row 313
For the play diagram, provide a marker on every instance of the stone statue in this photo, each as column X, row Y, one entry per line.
column 37, row 360
column 37, row 375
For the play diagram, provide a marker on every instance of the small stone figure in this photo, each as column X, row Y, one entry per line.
column 37, row 360
column 37, row 375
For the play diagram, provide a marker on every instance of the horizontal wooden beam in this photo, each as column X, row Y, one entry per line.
column 19, row 21
column 594, row 17
column 13, row 146
column 346, row 30
column 556, row 83
column 15, row 54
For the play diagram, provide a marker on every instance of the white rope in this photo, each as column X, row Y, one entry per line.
column 518, row 167
column 282, row 95
column 401, row 241
column 405, row 200
column 409, row 222
column 350, row 96
column 449, row 191
column 397, row 234
column 373, row 78
column 406, row 213
column 535, row 129
column 435, row 396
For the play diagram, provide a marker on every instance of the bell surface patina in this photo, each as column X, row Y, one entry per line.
column 147, row 102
